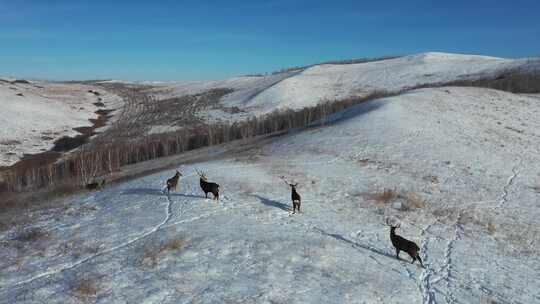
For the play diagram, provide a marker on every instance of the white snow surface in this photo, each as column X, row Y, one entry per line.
column 45, row 112
column 471, row 155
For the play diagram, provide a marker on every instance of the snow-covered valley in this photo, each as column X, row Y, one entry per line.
column 37, row 113
column 459, row 168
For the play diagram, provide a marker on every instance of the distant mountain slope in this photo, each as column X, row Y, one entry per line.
column 334, row 82
column 327, row 82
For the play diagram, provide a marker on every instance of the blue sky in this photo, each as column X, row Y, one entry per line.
column 182, row 40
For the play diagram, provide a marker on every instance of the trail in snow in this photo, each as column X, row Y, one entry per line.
column 445, row 271
column 425, row 285
column 62, row 268
column 509, row 182
column 458, row 231
column 162, row 224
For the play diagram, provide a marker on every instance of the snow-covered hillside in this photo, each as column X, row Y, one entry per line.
column 462, row 166
column 259, row 95
column 35, row 114
column 47, row 111
column 335, row 82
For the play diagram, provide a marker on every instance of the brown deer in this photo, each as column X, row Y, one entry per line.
column 295, row 197
column 207, row 186
column 95, row 185
column 172, row 182
column 402, row 244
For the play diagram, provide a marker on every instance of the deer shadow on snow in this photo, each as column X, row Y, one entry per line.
column 354, row 244
column 154, row 191
column 338, row 237
column 272, row 203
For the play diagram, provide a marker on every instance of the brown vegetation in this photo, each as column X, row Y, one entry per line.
column 152, row 252
column 413, row 201
column 514, row 81
column 385, row 197
column 32, row 235
column 407, row 200
column 85, row 288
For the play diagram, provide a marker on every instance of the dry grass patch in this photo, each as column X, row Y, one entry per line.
column 491, row 228
column 78, row 248
column 464, row 217
column 32, row 235
column 476, row 217
column 487, row 300
column 514, row 238
column 85, row 289
column 431, row 178
column 385, row 197
column 400, row 200
column 8, row 142
column 413, row 201
column 153, row 252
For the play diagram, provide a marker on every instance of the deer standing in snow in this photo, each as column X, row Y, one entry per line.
column 172, row 182
column 402, row 244
column 95, row 185
column 207, row 186
column 295, row 197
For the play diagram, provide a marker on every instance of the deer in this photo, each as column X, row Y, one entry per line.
column 95, row 185
column 402, row 244
column 295, row 197
column 207, row 186
column 172, row 182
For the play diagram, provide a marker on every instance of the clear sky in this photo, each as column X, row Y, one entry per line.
column 182, row 40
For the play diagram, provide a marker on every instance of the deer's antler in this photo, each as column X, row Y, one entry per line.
column 389, row 224
column 285, row 181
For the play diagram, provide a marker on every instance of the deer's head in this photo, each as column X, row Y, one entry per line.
column 202, row 175
column 293, row 186
column 392, row 226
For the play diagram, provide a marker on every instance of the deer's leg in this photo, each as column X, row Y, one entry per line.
column 397, row 254
column 420, row 260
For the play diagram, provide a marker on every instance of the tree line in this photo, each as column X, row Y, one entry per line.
column 83, row 165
